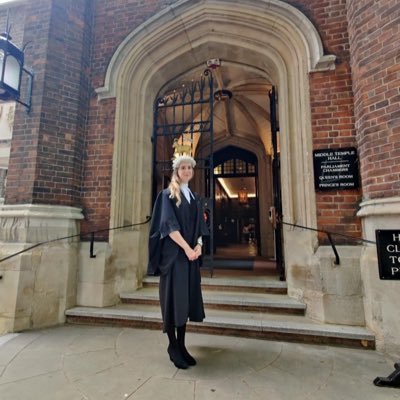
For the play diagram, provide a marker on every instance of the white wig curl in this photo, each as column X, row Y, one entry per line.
column 180, row 159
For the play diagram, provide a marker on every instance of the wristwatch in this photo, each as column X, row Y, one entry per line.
column 200, row 241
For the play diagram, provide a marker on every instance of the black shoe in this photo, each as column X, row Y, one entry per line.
column 177, row 358
column 188, row 358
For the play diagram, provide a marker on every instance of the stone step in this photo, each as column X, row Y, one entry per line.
column 263, row 302
column 221, row 322
column 243, row 284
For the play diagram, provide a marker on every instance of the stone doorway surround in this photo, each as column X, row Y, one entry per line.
column 271, row 36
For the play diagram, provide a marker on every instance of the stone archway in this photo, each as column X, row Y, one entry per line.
column 269, row 35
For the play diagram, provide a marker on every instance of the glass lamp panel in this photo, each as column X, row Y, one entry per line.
column 1, row 62
column 12, row 72
column 2, row 90
column 218, row 170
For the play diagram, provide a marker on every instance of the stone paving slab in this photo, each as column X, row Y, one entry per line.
column 111, row 363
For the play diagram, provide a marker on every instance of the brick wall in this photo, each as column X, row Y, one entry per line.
column 47, row 147
column 113, row 21
column 332, row 112
column 96, row 188
column 374, row 29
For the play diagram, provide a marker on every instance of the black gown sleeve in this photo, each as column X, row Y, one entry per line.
column 168, row 221
column 163, row 222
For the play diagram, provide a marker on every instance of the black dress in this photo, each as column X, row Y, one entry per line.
column 180, row 279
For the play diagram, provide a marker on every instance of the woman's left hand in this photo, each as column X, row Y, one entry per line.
column 197, row 250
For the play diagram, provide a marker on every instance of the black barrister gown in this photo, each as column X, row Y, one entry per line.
column 180, row 280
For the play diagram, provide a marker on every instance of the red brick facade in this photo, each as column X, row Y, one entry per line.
column 374, row 28
column 332, row 111
column 62, row 153
column 96, row 188
column 113, row 21
column 47, row 147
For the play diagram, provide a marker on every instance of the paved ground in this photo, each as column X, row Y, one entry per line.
column 96, row 363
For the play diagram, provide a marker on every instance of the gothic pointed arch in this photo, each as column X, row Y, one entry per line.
column 273, row 14
column 266, row 34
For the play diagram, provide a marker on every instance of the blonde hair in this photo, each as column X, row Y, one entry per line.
column 175, row 184
column 175, row 188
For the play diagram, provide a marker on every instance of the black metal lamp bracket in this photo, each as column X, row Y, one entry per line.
column 392, row 380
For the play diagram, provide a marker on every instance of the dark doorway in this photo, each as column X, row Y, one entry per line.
column 236, row 211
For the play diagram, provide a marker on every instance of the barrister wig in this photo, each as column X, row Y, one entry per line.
column 180, row 159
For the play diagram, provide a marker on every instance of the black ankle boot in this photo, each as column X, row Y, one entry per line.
column 177, row 358
column 181, row 333
column 188, row 358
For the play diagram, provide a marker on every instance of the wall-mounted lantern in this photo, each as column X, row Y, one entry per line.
column 12, row 71
column 222, row 95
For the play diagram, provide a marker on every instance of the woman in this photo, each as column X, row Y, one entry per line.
column 175, row 246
